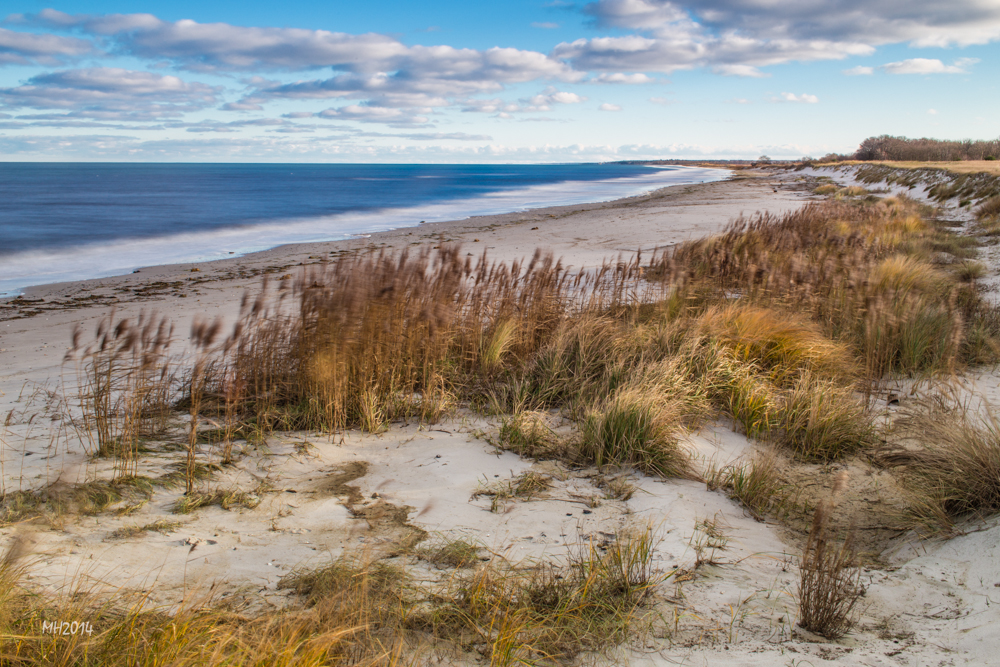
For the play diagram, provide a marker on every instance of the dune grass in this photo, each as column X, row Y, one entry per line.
column 754, row 481
column 949, row 459
column 782, row 325
column 351, row 611
column 633, row 353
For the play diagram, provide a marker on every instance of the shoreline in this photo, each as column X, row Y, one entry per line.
column 36, row 329
column 722, row 200
column 190, row 237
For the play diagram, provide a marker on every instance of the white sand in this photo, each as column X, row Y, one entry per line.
column 936, row 608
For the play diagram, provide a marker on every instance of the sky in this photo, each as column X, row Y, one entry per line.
column 443, row 81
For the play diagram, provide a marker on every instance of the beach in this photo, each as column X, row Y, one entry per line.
column 36, row 326
column 313, row 496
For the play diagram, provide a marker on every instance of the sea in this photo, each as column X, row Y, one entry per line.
column 73, row 221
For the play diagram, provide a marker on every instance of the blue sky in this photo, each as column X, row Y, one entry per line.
column 517, row 81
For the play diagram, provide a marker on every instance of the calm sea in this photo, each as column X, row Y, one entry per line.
column 72, row 221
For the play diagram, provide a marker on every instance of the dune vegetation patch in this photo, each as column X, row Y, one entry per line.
column 786, row 327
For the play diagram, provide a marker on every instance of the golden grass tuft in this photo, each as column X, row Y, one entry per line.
column 780, row 343
column 952, row 471
column 754, row 481
column 820, row 419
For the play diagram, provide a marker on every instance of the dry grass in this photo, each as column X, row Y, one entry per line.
column 54, row 503
column 782, row 323
column 952, row 471
column 989, row 209
column 779, row 343
column 453, row 553
column 841, row 294
column 350, row 612
column 539, row 614
column 356, row 621
column 954, row 166
column 635, row 428
column 830, row 586
column 525, row 486
column 821, row 420
column 225, row 498
column 528, row 433
column 126, row 385
column 754, row 481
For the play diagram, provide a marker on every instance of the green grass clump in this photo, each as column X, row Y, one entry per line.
column 527, row 433
column 636, row 428
column 754, row 481
column 821, row 420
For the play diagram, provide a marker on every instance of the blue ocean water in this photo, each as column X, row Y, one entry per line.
column 72, row 221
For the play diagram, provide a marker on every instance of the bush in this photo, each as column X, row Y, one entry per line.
column 829, row 584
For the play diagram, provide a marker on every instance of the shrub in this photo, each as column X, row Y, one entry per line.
column 829, row 583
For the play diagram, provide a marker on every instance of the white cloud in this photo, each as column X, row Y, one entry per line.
column 552, row 96
column 932, row 112
column 873, row 22
column 691, row 47
column 805, row 98
column 860, row 70
column 22, row 48
column 537, row 103
column 618, row 77
column 111, row 93
column 609, row 107
column 545, row 25
column 371, row 114
column 927, row 66
column 739, row 70
column 736, row 37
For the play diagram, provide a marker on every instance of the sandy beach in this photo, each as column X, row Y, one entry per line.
column 35, row 327
column 317, row 496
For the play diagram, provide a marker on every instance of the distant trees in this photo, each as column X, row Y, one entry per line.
column 887, row 147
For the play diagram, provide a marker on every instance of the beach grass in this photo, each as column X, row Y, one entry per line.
column 784, row 326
